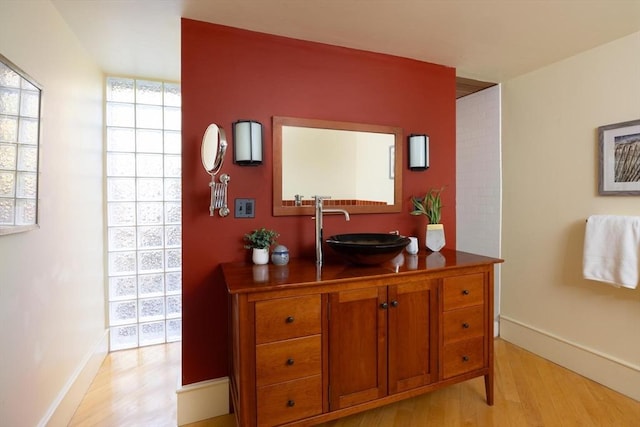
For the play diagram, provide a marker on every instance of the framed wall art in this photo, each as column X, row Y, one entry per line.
column 619, row 163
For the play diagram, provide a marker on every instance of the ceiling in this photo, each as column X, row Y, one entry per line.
column 489, row 40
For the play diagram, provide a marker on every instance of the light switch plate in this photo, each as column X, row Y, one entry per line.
column 245, row 208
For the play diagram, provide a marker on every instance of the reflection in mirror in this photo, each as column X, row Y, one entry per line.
column 20, row 98
column 357, row 165
column 348, row 162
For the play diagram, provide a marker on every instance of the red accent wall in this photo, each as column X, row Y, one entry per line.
column 230, row 74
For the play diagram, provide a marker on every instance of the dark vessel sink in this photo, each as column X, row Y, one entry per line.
column 368, row 248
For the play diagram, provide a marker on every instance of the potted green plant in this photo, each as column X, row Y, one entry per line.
column 260, row 240
column 431, row 206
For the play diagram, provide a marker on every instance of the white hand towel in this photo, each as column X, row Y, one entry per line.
column 612, row 250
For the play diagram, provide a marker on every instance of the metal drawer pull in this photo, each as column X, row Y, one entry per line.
column 290, row 319
column 290, row 362
column 291, row 403
column 384, row 305
column 465, row 292
column 394, row 303
column 465, row 325
column 465, row 358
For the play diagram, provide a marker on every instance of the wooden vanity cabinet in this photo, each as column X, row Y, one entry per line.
column 381, row 341
column 467, row 327
column 307, row 348
column 288, row 337
column 277, row 359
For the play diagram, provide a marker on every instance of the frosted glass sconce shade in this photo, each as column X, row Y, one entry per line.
column 418, row 152
column 247, row 143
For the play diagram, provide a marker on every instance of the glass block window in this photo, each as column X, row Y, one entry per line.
column 143, row 212
column 19, row 141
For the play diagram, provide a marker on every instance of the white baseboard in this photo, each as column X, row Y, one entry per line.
column 619, row 375
column 64, row 406
column 203, row 400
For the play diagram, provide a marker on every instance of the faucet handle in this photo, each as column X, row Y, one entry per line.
column 319, row 199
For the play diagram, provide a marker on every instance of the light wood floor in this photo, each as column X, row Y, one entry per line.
column 133, row 388
column 137, row 388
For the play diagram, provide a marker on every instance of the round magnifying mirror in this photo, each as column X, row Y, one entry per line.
column 214, row 146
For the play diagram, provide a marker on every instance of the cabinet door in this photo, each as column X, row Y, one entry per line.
column 412, row 335
column 357, row 346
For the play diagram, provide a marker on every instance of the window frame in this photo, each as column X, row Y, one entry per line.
column 114, row 302
column 21, row 228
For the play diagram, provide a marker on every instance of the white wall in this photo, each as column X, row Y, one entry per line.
column 549, row 140
column 479, row 177
column 51, row 279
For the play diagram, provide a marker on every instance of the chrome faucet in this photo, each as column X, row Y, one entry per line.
column 319, row 212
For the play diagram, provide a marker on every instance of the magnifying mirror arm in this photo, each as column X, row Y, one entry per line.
column 212, row 203
column 219, row 195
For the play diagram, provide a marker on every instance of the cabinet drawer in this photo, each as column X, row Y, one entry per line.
column 463, row 291
column 463, row 356
column 463, row 324
column 289, row 401
column 285, row 318
column 287, row 360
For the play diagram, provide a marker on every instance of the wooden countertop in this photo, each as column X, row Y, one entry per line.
column 242, row 277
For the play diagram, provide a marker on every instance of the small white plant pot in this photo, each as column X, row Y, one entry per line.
column 434, row 239
column 260, row 256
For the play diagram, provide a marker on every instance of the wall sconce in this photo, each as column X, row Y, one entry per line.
column 418, row 152
column 247, row 143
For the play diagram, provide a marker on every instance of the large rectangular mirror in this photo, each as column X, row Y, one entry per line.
column 358, row 165
column 20, row 98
